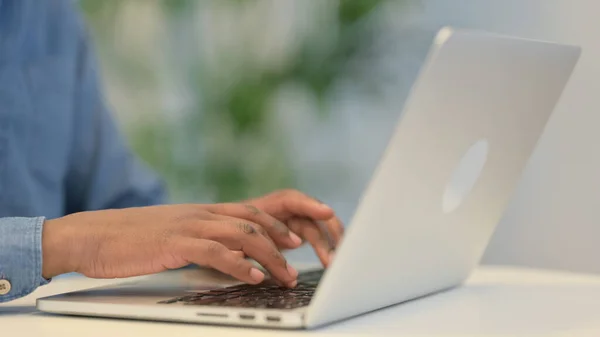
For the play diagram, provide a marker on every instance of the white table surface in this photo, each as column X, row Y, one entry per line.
column 496, row 301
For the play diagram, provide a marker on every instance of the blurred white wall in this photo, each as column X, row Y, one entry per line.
column 554, row 219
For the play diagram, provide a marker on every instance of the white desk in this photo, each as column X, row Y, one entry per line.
column 494, row 302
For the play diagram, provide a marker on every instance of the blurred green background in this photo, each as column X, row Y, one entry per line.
column 229, row 99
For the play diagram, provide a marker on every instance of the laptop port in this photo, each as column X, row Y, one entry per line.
column 247, row 316
column 211, row 314
column 273, row 318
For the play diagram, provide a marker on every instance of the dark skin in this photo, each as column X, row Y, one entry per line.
column 145, row 240
column 323, row 239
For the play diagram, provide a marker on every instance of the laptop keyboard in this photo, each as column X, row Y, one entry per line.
column 264, row 295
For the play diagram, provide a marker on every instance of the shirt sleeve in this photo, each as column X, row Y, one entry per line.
column 20, row 256
column 104, row 173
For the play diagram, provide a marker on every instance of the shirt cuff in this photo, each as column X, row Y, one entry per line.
column 21, row 256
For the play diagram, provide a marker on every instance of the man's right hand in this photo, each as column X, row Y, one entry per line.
column 146, row 240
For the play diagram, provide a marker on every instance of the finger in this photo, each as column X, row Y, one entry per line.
column 215, row 255
column 246, row 236
column 229, row 219
column 239, row 253
column 292, row 203
column 336, row 230
column 324, row 230
column 311, row 232
column 277, row 230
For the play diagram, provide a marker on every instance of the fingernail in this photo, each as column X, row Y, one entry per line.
column 293, row 272
column 293, row 284
column 295, row 239
column 257, row 275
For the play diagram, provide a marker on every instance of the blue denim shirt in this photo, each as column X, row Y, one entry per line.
column 60, row 151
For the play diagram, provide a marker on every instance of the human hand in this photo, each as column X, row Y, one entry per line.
column 306, row 217
column 137, row 241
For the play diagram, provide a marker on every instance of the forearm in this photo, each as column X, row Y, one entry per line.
column 20, row 256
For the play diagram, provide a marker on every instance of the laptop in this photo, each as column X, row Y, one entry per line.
column 472, row 120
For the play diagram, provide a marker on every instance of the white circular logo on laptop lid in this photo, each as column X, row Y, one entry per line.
column 465, row 176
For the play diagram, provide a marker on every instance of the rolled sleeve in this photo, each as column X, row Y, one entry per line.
column 21, row 255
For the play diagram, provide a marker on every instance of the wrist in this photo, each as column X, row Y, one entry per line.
column 57, row 249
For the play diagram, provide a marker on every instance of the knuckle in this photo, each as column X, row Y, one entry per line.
column 277, row 256
column 252, row 209
column 282, row 229
column 219, row 208
column 261, row 231
column 189, row 216
column 227, row 205
column 295, row 226
column 246, row 228
column 213, row 249
column 223, row 208
column 197, row 212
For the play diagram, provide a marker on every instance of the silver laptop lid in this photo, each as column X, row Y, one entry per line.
column 471, row 122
